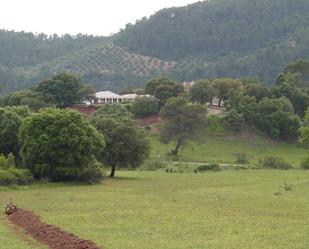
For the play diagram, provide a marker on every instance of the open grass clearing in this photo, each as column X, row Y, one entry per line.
column 148, row 210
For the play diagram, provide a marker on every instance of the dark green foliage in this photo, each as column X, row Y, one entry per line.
column 257, row 90
column 202, row 92
column 126, row 144
column 113, row 110
column 233, row 120
column 273, row 162
column 10, row 175
column 93, row 173
column 301, row 69
column 10, row 121
column 14, row 176
column 163, row 89
column 34, row 100
column 145, row 106
column 275, row 117
column 287, row 86
column 224, row 86
column 209, row 167
column 245, row 105
column 182, row 120
column 59, row 144
column 63, row 90
column 224, row 38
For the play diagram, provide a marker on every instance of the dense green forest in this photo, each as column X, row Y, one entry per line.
column 224, row 37
column 209, row 39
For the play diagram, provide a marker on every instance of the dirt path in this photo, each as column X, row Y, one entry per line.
column 46, row 234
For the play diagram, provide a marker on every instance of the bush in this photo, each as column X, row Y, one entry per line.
column 13, row 176
column 233, row 120
column 305, row 163
column 93, row 174
column 273, row 162
column 209, row 167
column 242, row 158
column 145, row 106
column 7, row 162
column 59, row 144
column 152, row 165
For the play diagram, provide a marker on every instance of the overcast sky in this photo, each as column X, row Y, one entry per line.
column 100, row 17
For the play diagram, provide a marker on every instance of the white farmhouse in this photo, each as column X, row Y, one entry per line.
column 108, row 97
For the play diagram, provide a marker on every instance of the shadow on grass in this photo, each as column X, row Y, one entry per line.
column 121, row 178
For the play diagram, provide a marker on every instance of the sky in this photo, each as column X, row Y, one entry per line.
column 97, row 17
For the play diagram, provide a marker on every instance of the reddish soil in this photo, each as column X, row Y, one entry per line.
column 85, row 109
column 46, row 234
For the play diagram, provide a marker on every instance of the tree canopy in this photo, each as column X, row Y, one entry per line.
column 202, row 92
column 182, row 120
column 59, row 144
column 126, row 145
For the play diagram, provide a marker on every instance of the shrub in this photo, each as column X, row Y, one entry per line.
column 145, row 106
column 273, row 162
column 233, row 120
column 242, row 158
column 305, row 163
column 209, row 167
column 13, row 176
column 7, row 162
column 58, row 144
column 152, row 165
column 93, row 174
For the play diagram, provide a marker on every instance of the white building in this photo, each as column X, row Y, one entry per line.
column 129, row 97
column 108, row 97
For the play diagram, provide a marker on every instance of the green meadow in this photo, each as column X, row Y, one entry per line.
column 215, row 144
column 150, row 210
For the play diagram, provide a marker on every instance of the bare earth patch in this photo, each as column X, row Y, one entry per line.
column 49, row 235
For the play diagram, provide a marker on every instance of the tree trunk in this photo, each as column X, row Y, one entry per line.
column 220, row 102
column 113, row 169
column 175, row 152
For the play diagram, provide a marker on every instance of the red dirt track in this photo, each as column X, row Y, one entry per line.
column 49, row 235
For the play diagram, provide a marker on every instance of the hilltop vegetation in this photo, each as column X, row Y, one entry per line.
column 208, row 39
column 225, row 37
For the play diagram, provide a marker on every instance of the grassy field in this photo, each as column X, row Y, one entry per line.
column 216, row 145
column 151, row 210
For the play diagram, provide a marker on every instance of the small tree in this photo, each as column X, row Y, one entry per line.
column 233, row 120
column 202, row 92
column 59, row 144
column 182, row 120
column 224, row 85
column 163, row 89
column 63, row 90
column 126, row 145
column 145, row 106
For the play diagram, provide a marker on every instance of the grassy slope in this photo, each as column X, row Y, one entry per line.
column 218, row 145
column 150, row 210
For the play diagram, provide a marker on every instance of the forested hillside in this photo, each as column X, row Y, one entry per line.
column 209, row 39
column 225, row 37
